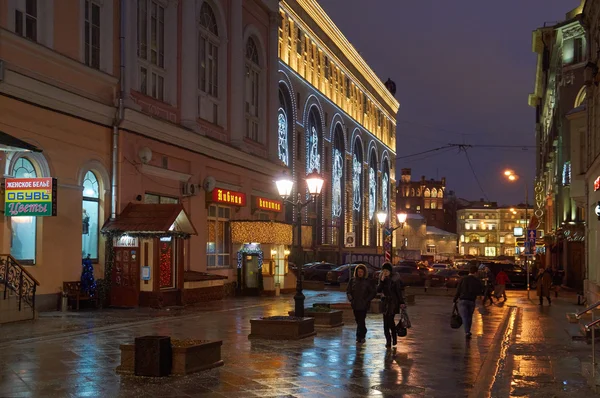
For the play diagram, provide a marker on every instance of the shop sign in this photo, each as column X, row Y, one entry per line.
column 228, row 197
column 268, row 204
column 597, row 210
column 125, row 241
column 597, row 184
column 35, row 197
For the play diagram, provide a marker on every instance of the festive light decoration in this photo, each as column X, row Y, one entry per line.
column 356, row 188
column 282, row 123
column 247, row 250
column 166, row 264
column 385, row 182
column 266, row 232
column 88, row 284
column 314, row 157
column 566, row 177
column 337, row 172
column 372, row 192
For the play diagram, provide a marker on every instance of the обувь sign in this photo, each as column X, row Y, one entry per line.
column 34, row 197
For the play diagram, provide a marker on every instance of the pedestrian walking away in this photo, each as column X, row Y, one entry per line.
column 487, row 279
column 544, row 284
column 392, row 297
column 501, row 281
column 360, row 293
column 469, row 287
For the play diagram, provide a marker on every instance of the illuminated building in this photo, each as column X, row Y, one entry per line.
column 425, row 197
column 337, row 117
column 559, row 189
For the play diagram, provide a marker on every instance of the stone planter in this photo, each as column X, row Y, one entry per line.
column 282, row 328
column 313, row 285
column 189, row 356
column 324, row 319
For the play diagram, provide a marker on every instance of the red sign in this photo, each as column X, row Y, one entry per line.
column 268, row 204
column 597, row 184
column 229, row 197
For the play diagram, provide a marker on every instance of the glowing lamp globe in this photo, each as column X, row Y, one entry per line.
column 314, row 183
column 402, row 217
column 285, row 186
column 381, row 217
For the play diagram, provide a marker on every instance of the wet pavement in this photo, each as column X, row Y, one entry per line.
column 432, row 361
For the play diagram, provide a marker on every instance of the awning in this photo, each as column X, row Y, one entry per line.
column 8, row 143
column 146, row 220
column 265, row 232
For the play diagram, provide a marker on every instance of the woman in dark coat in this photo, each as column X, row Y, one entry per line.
column 392, row 290
column 544, row 283
column 360, row 292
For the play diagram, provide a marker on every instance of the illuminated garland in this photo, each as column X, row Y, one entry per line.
column 145, row 235
column 283, row 136
column 265, row 232
column 165, row 264
column 243, row 251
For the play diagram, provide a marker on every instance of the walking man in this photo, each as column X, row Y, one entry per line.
column 501, row 281
column 360, row 293
column 391, row 288
column 469, row 287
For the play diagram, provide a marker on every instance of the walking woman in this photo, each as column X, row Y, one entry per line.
column 360, row 292
column 544, row 284
column 392, row 297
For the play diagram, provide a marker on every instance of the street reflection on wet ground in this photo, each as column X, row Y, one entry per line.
column 432, row 361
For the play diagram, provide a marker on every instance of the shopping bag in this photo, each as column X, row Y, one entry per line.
column 455, row 319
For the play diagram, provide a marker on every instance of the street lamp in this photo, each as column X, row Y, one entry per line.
column 513, row 177
column 381, row 217
column 314, row 183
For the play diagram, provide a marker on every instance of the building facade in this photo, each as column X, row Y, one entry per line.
column 425, row 197
column 558, row 98
column 338, row 118
column 486, row 230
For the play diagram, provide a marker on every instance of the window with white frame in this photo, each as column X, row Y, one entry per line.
column 151, row 48
column 431, row 249
column 252, row 90
column 92, row 34
column 154, row 199
column 90, row 217
column 26, row 19
column 208, row 66
column 24, row 228
column 218, row 242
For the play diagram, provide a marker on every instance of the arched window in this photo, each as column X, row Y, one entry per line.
column 385, row 189
column 372, row 182
column 24, row 231
column 412, row 192
column 90, row 216
column 434, row 193
column 284, row 126
column 474, row 238
column 427, row 193
column 441, row 193
column 490, row 238
column 357, row 167
column 313, row 143
column 208, row 65
column 252, row 90
column 580, row 97
column 337, row 172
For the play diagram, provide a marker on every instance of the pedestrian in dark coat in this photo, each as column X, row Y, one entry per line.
column 392, row 290
column 360, row 293
column 544, row 284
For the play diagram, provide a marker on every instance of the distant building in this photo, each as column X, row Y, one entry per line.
column 452, row 204
column 425, row 197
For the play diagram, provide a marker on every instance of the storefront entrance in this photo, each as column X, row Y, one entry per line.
column 125, row 277
column 251, row 275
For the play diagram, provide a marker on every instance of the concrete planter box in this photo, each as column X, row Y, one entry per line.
column 189, row 356
column 330, row 319
column 313, row 285
column 282, row 328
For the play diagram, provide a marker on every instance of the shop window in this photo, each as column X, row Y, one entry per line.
column 24, row 229
column 166, row 262
column 431, row 249
column 219, row 234
column 154, row 199
column 90, row 217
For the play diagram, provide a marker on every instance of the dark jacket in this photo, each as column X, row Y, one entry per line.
column 360, row 291
column 469, row 287
column 392, row 290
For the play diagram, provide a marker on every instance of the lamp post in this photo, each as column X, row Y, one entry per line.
column 512, row 177
column 382, row 218
column 285, row 185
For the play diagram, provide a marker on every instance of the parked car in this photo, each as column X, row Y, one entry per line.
column 447, row 277
column 318, row 272
column 516, row 273
column 409, row 276
column 439, row 267
column 465, row 264
column 408, row 263
column 342, row 273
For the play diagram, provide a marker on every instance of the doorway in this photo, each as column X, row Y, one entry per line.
column 125, row 287
column 250, row 275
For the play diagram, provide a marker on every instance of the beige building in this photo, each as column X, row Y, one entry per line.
column 417, row 240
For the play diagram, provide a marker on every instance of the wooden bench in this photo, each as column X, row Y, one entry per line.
column 74, row 293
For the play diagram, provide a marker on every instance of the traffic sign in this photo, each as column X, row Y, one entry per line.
column 527, row 248
column 531, row 234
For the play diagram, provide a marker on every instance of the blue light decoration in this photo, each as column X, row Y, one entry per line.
column 251, row 248
column 566, row 177
column 385, row 182
column 88, row 284
column 356, row 173
column 337, row 171
column 282, row 125
column 314, row 158
column 372, row 192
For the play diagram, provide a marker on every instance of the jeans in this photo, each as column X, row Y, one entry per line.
column 361, row 327
column 466, row 308
column 389, row 328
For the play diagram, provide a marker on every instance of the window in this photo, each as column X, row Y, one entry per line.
column 427, row 193
column 252, row 87
column 92, row 34
column 578, row 53
column 157, row 199
column 24, row 228
column 26, row 19
column 431, row 249
column 151, row 46
column 208, row 66
column 90, row 217
column 262, row 216
column 433, row 204
column 490, row 252
column 218, row 242
column 474, row 238
column 434, row 193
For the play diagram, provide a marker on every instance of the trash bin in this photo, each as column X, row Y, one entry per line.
column 153, row 356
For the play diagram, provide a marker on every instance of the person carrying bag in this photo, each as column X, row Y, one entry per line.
column 392, row 290
column 469, row 287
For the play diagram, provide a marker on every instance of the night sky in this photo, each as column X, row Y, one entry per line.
column 463, row 70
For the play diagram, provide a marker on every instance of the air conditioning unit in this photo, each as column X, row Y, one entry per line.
column 189, row 189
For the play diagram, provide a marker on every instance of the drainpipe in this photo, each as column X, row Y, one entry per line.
column 119, row 113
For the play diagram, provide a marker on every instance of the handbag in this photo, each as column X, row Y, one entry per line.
column 403, row 324
column 455, row 319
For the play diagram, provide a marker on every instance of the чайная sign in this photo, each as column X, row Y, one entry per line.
column 35, row 197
